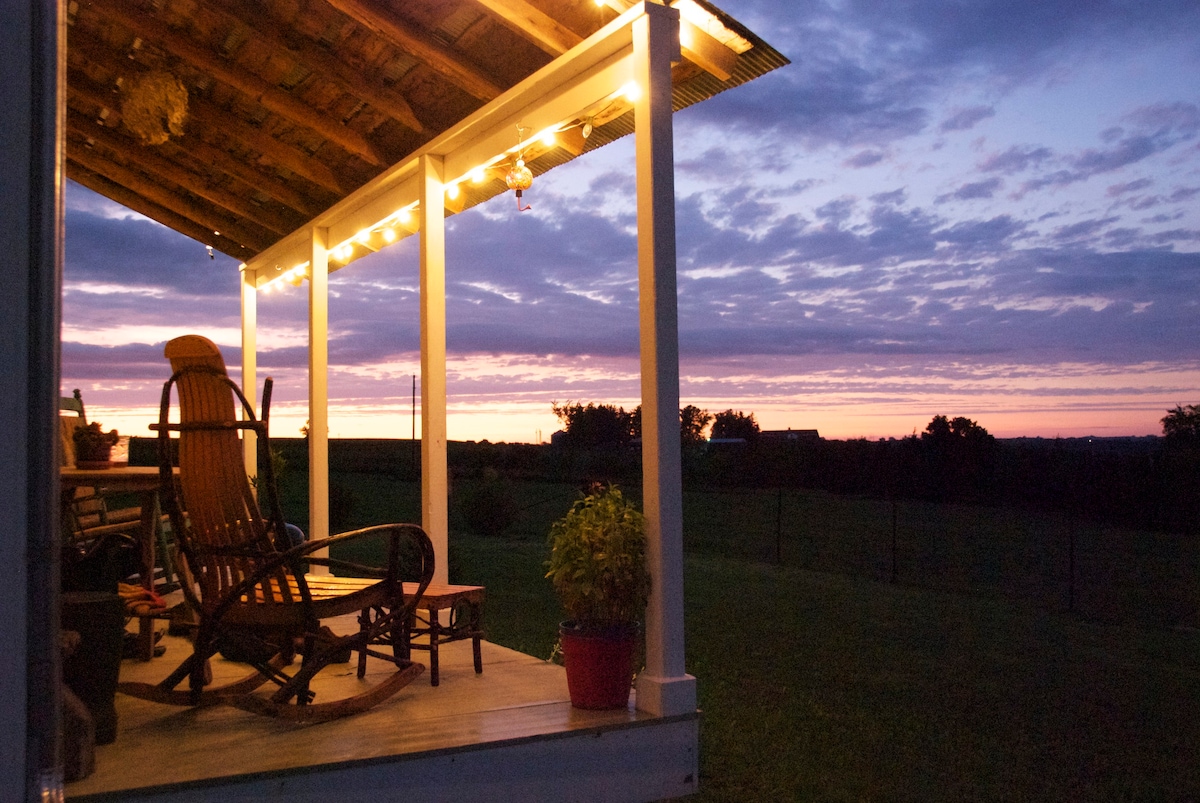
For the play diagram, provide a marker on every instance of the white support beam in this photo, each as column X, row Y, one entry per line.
column 698, row 45
column 250, row 364
column 663, row 688
column 403, row 193
column 318, row 388
column 571, row 85
column 434, row 486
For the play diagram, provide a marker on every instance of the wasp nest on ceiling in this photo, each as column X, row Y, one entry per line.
column 154, row 107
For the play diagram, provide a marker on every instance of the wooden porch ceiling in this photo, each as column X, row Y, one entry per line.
column 294, row 104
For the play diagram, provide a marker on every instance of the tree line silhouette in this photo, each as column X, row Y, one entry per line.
column 1152, row 483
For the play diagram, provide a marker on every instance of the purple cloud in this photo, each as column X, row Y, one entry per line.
column 975, row 190
column 864, row 159
column 966, row 118
column 1130, row 186
column 1015, row 159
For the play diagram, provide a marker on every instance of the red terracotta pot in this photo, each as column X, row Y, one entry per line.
column 599, row 664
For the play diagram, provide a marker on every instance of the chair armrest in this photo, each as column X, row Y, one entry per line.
column 296, row 554
column 300, row 551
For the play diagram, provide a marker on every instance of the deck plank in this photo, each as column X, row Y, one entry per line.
column 517, row 697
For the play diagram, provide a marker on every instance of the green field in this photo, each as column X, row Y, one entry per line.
column 820, row 679
column 826, row 687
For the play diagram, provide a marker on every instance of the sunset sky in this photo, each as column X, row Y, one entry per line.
column 989, row 209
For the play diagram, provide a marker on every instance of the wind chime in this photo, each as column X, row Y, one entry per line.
column 519, row 177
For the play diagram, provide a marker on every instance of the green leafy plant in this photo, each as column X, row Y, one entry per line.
column 93, row 443
column 598, row 560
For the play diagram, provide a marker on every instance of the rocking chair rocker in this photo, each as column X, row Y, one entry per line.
column 248, row 588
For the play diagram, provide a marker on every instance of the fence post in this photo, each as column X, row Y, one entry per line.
column 895, row 571
column 1071, row 566
column 779, row 525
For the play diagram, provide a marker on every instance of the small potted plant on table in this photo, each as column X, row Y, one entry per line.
column 598, row 567
column 93, row 446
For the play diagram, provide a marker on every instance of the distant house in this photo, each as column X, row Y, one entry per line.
column 790, row 435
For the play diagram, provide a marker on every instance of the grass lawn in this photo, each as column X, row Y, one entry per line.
column 826, row 687
column 817, row 686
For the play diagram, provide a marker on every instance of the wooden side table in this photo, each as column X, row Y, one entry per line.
column 465, row 606
column 465, row 617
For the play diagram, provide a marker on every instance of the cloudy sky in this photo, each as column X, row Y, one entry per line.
column 987, row 208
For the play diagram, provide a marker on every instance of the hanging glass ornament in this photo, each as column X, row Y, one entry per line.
column 519, row 178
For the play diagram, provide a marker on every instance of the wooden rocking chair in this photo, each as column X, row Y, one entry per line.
column 247, row 586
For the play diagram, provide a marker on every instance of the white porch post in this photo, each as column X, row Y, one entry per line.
column 664, row 688
column 250, row 362
column 318, row 388
column 434, row 490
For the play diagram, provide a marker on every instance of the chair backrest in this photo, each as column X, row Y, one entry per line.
column 72, row 404
column 212, row 505
column 67, row 424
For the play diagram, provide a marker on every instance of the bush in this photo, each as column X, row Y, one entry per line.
column 487, row 504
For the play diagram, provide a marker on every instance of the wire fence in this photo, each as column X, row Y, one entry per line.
column 1102, row 573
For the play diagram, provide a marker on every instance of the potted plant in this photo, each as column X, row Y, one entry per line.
column 598, row 567
column 93, row 446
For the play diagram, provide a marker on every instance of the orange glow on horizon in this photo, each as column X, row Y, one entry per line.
column 520, row 421
column 509, row 397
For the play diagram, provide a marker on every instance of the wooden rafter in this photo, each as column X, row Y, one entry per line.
column 131, row 200
column 312, row 55
column 533, row 24
column 213, row 220
column 421, row 46
column 705, row 52
column 165, row 169
column 260, row 91
column 214, row 118
column 210, row 116
column 196, row 148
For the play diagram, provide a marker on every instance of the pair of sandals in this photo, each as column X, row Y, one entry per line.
column 140, row 601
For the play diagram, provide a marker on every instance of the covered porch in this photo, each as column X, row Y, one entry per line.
column 298, row 191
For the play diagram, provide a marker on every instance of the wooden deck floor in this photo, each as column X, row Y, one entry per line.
column 160, row 748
